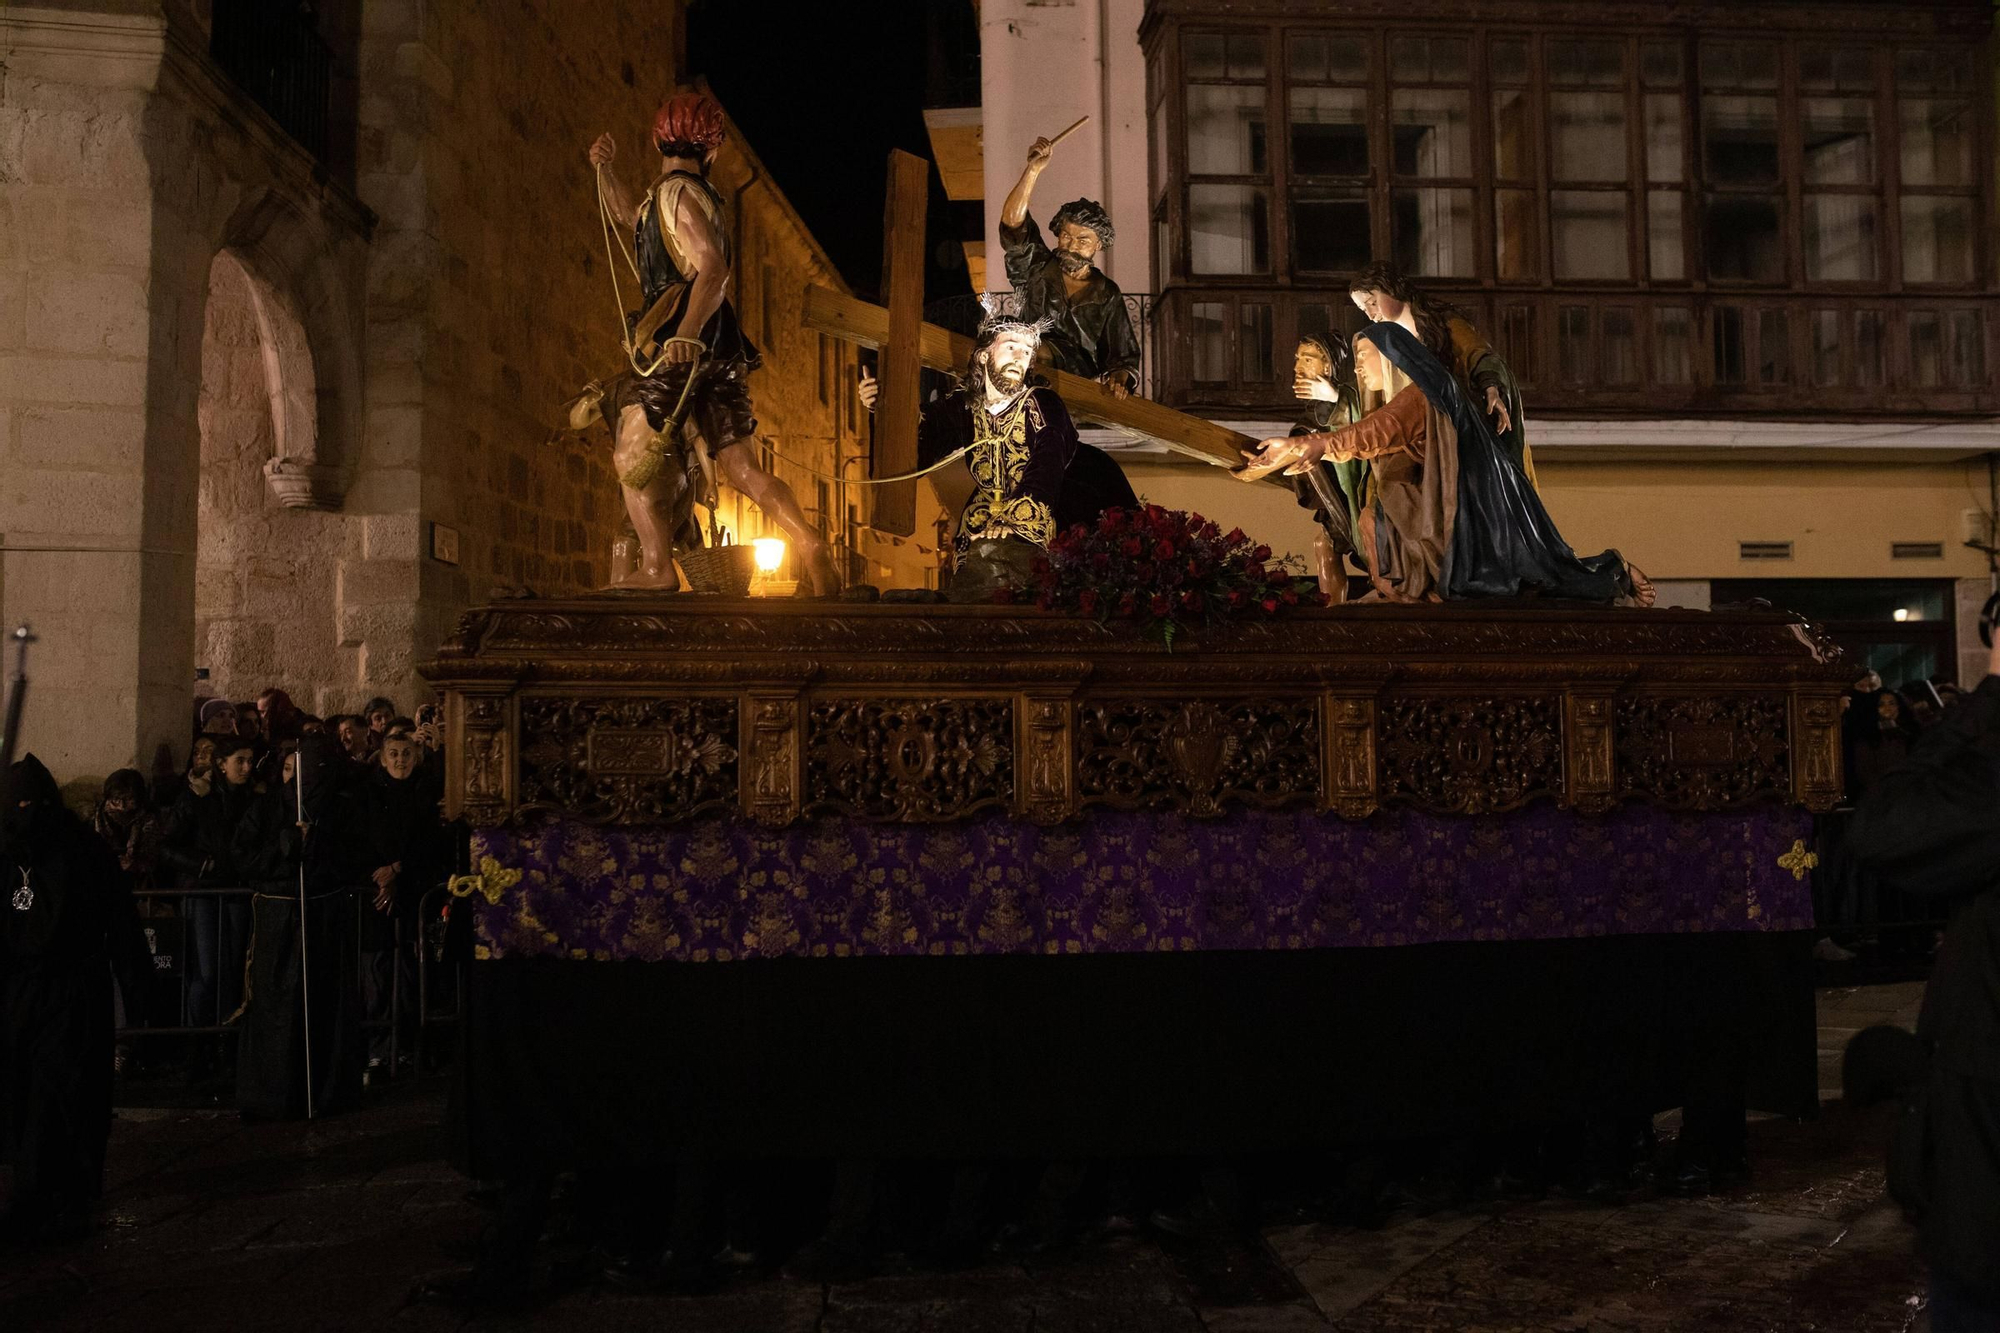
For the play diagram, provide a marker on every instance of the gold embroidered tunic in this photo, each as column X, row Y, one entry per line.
column 1018, row 461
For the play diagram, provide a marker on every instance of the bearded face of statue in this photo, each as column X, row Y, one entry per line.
column 1076, row 246
column 1007, row 362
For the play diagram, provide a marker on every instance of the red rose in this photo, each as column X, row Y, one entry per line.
column 1161, row 604
column 1100, row 560
column 1234, row 536
column 1193, row 569
column 1290, row 596
column 1191, row 599
column 1131, row 546
column 1086, row 601
column 1127, row 605
column 1237, row 597
column 1270, row 604
column 1112, row 521
column 1163, row 551
column 1261, row 554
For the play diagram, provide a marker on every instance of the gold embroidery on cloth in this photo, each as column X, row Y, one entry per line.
column 999, row 459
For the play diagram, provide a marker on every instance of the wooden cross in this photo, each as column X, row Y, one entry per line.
column 896, row 405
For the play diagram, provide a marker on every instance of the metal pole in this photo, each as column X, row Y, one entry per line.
column 305, row 970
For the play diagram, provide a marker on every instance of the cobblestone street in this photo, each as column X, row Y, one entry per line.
column 214, row 1224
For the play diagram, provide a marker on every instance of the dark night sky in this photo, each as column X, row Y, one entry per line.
column 824, row 92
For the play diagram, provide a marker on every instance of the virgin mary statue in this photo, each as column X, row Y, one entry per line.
column 1446, row 512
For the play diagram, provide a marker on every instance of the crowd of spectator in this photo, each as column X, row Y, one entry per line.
column 197, row 846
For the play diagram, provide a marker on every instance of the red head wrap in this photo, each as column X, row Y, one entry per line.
column 689, row 118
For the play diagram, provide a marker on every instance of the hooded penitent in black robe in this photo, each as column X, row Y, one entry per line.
column 67, row 920
column 268, row 849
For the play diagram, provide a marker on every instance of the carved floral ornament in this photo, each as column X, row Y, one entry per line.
column 899, row 717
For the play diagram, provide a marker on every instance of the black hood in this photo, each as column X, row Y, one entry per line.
column 28, row 780
column 322, row 767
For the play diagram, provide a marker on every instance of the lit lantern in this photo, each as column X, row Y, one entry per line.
column 770, row 554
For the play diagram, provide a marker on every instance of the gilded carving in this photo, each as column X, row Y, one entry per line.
column 917, row 760
column 1046, row 759
column 1469, row 755
column 1588, row 734
column 1816, row 737
column 1703, row 752
column 622, row 759
column 1196, row 756
column 1351, row 789
column 771, row 792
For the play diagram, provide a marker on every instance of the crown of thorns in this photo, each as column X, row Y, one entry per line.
column 1084, row 213
column 998, row 321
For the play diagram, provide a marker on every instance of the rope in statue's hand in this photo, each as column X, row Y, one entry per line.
column 617, row 296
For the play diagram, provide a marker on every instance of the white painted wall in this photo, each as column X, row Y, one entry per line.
column 1043, row 65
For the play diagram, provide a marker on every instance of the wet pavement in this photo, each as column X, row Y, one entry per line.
column 212, row 1224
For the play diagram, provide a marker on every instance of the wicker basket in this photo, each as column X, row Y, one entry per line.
column 719, row 569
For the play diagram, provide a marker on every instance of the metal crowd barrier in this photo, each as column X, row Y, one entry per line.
column 439, row 970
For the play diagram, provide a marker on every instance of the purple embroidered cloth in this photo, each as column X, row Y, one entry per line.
column 725, row 889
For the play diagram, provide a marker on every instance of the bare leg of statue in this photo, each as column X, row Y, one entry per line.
column 1332, row 570
column 650, row 508
column 739, row 467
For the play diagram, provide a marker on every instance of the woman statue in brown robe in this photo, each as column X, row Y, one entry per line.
column 1449, row 512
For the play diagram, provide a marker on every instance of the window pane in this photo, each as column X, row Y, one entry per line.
column 1246, row 56
column 1847, row 69
column 1514, row 234
column 1728, row 344
column 1595, row 63
column 1587, row 136
column 1937, row 239
column 1968, row 349
column 1673, row 345
column 1253, row 347
column 1321, row 58
column 1660, row 63
column 1927, row 349
column 1587, row 234
column 1741, row 237
column 1573, row 344
column 1933, row 71
column 1427, row 59
column 1937, row 142
column 1225, row 130
column 1228, row 229
column 1158, row 122
column 1330, row 231
column 1517, row 341
column 1663, row 137
column 1507, row 60
column 1432, row 132
column 1839, row 137
column 1210, row 339
column 1666, row 243
column 1433, row 232
column 1163, row 249
column 1329, row 131
column 1618, row 355
column 1774, row 348
column 1739, row 140
column 1826, row 347
column 1739, row 64
column 1840, row 237
column 1514, row 126
column 1868, row 367
column 1206, row 55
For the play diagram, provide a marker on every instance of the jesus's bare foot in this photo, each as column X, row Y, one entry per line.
column 1643, row 591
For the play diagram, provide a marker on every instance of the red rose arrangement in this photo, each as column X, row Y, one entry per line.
column 1170, row 569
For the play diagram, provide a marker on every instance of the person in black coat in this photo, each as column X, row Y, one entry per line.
column 67, row 926
column 289, row 975
column 200, row 852
column 408, row 857
column 1932, row 827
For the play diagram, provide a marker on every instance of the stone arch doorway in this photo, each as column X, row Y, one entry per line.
column 268, row 558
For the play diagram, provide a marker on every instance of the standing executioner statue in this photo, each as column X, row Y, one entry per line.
column 1089, row 332
column 680, row 413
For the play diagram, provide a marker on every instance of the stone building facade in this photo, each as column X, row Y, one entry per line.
column 279, row 415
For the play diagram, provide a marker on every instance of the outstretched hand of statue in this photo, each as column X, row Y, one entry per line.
column 602, row 150
column 1283, row 451
column 868, row 390
column 1039, row 153
column 1316, row 387
column 1497, row 407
